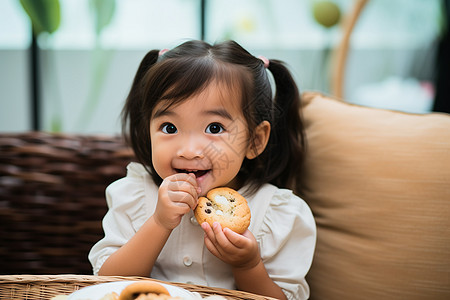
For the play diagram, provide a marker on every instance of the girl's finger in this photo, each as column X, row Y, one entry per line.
column 220, row 237
column 211, row 247
column 208, row 232
column 239, row 241
column 182, row 186
column 185, row 177
column 181, row 198
column 186, row 181
column 210, row 239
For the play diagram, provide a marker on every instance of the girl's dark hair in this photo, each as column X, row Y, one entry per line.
column 188, row 69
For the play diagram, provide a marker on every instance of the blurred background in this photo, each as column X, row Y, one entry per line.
column 67, row 65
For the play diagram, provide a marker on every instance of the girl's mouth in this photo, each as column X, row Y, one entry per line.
column 197, row 173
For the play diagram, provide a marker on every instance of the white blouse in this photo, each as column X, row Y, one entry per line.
column 281, row 222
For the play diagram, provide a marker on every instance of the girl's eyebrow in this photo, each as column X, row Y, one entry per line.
column 219, row 112
column 162, row 112
column 214, row 112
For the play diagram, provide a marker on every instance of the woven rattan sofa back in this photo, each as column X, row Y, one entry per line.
column 52, row 199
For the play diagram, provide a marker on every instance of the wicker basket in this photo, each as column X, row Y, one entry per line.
column 34, row 287
column 52, row 199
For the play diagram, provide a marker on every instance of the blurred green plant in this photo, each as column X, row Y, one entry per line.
column 45, row 17
column 327, row 14
column 102, row 12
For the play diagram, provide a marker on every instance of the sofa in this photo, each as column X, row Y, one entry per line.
column 377, row 181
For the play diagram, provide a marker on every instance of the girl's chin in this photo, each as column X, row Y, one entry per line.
column 207, row 184
column 205, row 187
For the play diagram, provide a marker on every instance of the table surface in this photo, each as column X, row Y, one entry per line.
column 33, row 287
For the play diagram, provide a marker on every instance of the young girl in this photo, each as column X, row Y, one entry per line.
column 202, row 116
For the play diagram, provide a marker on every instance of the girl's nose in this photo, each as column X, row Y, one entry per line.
column 191, row 147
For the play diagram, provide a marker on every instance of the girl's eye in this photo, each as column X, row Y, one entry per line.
column 169, row 128
column 214, row 128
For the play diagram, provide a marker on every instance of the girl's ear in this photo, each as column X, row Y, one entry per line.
column 260, row 139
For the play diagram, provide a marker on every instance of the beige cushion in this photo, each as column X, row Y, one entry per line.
column 378, row 183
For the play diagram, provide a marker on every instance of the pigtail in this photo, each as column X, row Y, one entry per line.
column 134, row 118
column 287, row 142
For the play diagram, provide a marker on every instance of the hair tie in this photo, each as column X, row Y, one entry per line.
column 162, row 51
column 264, row 60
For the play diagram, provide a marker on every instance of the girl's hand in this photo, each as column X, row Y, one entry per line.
column 240, row 251
column 177, row 195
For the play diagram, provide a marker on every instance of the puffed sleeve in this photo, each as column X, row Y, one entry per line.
column 127, row 211
column 287, row 241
